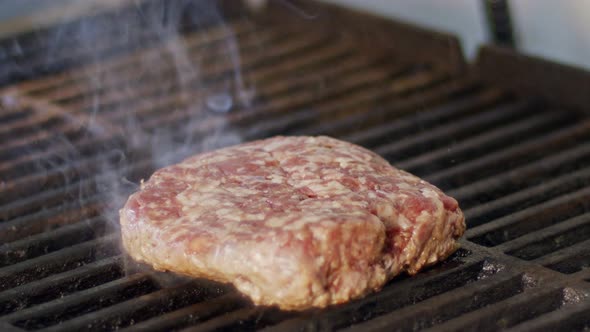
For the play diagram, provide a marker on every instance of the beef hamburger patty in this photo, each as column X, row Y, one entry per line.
column 292, row 221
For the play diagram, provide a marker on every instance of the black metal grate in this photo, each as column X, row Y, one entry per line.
column 517, row 164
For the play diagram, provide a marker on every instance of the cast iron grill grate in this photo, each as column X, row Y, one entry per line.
column 518, row 165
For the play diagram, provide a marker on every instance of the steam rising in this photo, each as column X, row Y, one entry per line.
column 153, row 83
column 139, row 71
column 172, row 72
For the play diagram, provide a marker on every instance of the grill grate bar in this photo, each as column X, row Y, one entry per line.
column 43, row 220
column 90, row 38
column 546, row 235
column 531, row 219
column 228, row 321
column 436, row 310
column 57, row 261
column 46, row 199
column 39, row 138
column 270, row 81
column 469, row 171
column 55, row 311
column 530, row 196
column 279, row 103
column 115, row 87
column 520, row 176
column 76, row 187
column 568, row 260
column 145, row 306
column 79, row 53
column 119, row 99
column 24, row 125
column 489, row 140
column 126, row 67
column 27, row 163
column 64, row 214
column 195, row 313
column 318, row 113
column 279, row 126
column 77, row 76
column 269, row 86
column 359, row 106
column 242, row 319
column 357, row 85
column 573, row 318
column 62, row 284
column 395, row 295
column 265, row 77
column 6, row 327
column 401, row 149
column 40, row 244
column 357, row 122
column 439, row 114
column 13, row 113
column 507, row 313
column 62, row 175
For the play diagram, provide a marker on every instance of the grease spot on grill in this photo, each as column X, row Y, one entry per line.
column 220, row 103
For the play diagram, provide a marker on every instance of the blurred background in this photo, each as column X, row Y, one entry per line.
column 556, row 30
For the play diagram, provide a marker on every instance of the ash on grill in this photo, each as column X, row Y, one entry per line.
column 502, row 137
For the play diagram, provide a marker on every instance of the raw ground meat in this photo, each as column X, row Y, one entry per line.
column 296, row 222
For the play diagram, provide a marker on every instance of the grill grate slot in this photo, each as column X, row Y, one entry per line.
column 26, row 129
column 298, row 97
column 213, row 73
column 47, row 199
column 332, row 106
column 75, row 77
column 59, row 285
column 574, row 318
column 113, row 96
column 44, row 243
column 578, row 230
column 466, row 300
column 61, row 310
column 522, row 177
column 61, row 176
column 570, row 260
column 78, row 191
column 247, row 319
column 380, row 113
column 525, row 198
column 440, row 114
column 508, row 313
column 9, row 115
column 532, row 219
column 404, row 148
column 193, row 314
column 58, row 155
column 40, row 140
column 46, row 50
column 56, row 262
column 140, row 306
column 517, row 155
column 489, row 140
column 395, row 296
column 267, row 85
column 44, row 220
column 77, row 90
